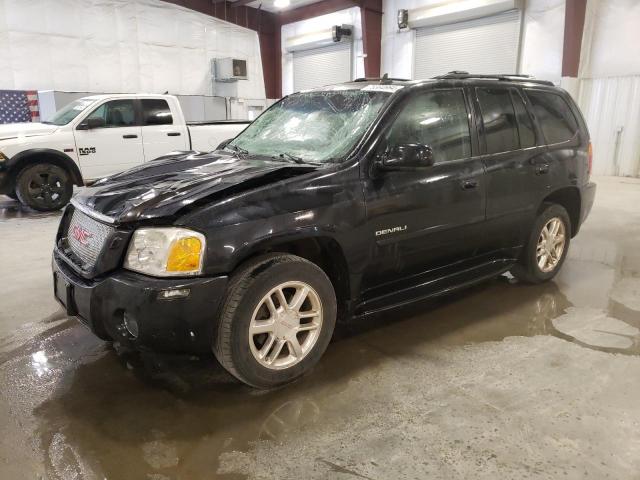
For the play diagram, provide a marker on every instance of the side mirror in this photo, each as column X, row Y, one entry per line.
column 90, row 123
column 409, row 156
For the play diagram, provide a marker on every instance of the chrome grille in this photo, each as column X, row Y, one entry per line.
column 87, row 237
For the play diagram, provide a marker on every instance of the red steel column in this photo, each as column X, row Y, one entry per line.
column 573, row 27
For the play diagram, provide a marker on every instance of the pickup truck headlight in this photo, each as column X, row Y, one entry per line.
column 164, row 252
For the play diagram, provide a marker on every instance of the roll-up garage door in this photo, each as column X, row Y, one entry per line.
column 322, row 66
column 483, row 45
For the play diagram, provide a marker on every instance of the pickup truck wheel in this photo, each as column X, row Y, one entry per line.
column 276, row 320
column 547, row 246
column 44, row 187
column 12, row 195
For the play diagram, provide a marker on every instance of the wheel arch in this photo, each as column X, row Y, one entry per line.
column 45, row 155
column 324, row 251
column 569, row 198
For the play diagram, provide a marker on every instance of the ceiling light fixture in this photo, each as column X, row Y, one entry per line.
column 281, row 3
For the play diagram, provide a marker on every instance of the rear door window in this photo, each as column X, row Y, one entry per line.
column 525, row 125
column 499, row 120
column 155, row 111
column 553, row 115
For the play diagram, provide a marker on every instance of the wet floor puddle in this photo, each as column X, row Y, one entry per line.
column 100, row 414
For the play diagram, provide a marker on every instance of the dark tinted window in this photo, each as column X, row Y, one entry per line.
column 553, row 115
column 116, row 113
column 525, row 125
column 438, row 119
column 499, row 119
column 156, row 112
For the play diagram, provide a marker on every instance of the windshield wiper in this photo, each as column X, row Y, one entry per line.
column 294, row 159
column 238, row 149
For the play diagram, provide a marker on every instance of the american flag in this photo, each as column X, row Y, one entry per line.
column 19, row 106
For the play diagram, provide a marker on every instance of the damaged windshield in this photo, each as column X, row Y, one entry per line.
column 317, row 126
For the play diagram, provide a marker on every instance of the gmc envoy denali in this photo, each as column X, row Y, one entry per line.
column 342, row 201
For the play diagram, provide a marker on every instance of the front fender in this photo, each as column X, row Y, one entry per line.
column 33, row 155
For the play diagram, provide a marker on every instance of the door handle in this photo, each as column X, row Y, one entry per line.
column 469, row 184
column 129, row 136
column 173, row 134
column 542, row 169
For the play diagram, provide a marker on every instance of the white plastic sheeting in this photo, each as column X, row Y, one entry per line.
column 609, row 84
column 350, row 16
column 119, row 46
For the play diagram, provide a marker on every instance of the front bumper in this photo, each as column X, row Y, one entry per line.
column 184, row 325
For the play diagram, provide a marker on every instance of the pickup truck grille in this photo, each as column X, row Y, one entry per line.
column 87, row 237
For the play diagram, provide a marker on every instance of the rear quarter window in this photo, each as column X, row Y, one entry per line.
column 554, row 116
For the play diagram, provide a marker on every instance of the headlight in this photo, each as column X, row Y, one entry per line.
column 164, row 252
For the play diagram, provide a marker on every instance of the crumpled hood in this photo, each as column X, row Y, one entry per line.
column 174, row 182
column 11, row 130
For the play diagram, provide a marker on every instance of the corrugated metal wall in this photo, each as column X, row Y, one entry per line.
column 611, row 107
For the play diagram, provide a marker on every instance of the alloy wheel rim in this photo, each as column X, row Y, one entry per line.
column 46, row 188
column 551, row 243
column 285, row 325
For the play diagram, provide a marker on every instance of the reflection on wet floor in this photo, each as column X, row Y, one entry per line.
column 94, row 411
column 10, row 208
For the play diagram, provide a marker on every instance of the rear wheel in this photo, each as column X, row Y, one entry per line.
column 276, row 321
column 547, row 246
column 44, row 187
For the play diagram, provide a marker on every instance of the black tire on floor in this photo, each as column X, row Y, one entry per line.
column 527, row 269
column 246, row 289
column 12, row 194
column 44, row 187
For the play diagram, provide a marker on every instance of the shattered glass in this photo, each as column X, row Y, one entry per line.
column 315, row 126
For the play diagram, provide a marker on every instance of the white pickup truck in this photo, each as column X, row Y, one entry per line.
column 97, row 136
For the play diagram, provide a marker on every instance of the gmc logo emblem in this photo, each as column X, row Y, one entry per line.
column 80, row 234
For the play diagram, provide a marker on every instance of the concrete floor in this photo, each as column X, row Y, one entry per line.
column 500, row 381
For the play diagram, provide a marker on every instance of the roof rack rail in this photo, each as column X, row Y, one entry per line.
column 384, row 78
column 461, row 75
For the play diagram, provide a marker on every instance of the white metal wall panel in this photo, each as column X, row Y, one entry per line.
column 611, row 108
column 322, row 66
column 483, row 45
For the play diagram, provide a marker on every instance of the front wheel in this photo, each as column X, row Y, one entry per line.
column 44, row 187
column 547, row 246
column 276, row 321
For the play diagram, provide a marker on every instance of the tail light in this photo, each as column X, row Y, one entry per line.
column 590, row 158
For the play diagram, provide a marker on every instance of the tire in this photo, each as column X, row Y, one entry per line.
column 528, row 269
column 237, row 349
column 44, row 187
column 12, row 195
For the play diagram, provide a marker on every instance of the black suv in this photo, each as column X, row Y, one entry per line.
column 346, row 200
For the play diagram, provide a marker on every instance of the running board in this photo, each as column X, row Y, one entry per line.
column 433, row 287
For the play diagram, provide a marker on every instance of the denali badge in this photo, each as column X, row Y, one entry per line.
column 81, row 235
column 391, row 230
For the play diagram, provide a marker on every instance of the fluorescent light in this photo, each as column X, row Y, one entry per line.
column 281, row 3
